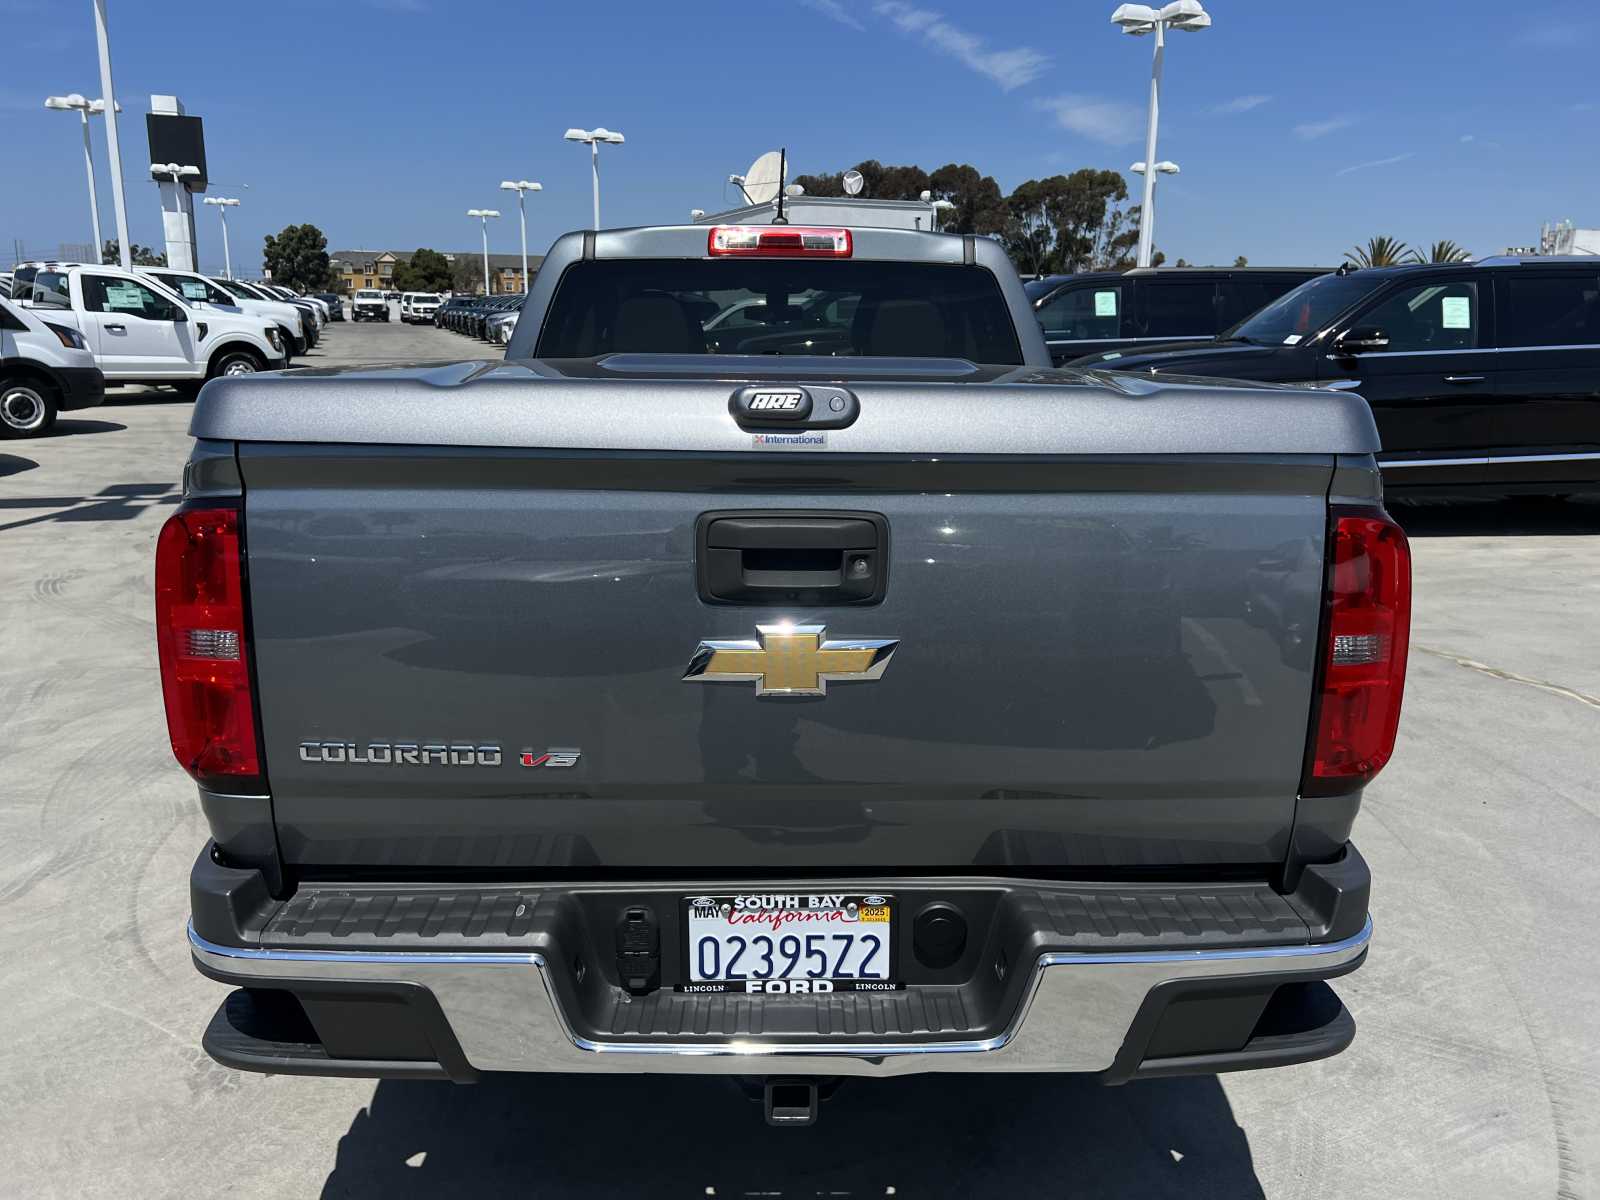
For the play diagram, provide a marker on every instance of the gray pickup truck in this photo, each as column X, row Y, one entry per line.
column 775, row 668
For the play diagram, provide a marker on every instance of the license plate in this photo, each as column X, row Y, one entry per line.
column 789, row 943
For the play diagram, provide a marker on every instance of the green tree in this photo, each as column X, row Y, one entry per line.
column 980, row 206
column 140, row 256
column 298, row 258
column 467, row 274
column 880, row 182
column 1241, row 261
column 1381, row 251
column 1441, row 252
column 1072, row 222
column 426, row 271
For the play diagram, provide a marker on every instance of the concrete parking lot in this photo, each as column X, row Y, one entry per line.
column 1476, row 1071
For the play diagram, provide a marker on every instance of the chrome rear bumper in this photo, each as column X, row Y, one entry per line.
column 503, row 1009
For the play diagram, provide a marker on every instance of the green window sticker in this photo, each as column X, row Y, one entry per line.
column 192, row 291
column 1105, row 304
column 1457, row 313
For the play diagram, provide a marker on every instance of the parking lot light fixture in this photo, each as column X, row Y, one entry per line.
column 1138, row 20
column 483, row 215
column 223, row 204
column 521, row 187
column 173, row 172
column 76, row 102
column 594, row 137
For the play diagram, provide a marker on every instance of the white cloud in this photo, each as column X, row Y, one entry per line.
column 1310, row 130
column 1009, row 69
column 1468, row 137
column 1583, row 106
column 834, row 11
column 1377, row 162
column 1239, row 104
column 1108, row 121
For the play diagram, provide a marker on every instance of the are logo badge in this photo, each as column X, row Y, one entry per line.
column 764, row 403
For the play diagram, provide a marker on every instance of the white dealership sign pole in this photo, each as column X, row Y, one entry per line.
column 177, row 198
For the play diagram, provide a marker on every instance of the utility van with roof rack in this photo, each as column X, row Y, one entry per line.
column 844, row 693
column 1124, row 310
column 1482, row 376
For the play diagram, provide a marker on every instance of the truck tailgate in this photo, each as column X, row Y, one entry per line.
column 1104, row 634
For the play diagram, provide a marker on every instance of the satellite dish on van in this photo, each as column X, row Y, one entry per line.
column 854, row 181
column 763, row 179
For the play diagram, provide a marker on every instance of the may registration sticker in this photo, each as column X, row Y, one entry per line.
column 790, row 943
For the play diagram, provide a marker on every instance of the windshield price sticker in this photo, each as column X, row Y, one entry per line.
column 789, row 944
column 1105, row 304
column 1457, row 312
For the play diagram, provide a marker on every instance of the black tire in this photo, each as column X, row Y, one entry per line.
column 28, row 406
column 238, row 360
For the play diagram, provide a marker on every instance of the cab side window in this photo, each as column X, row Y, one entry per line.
column 1429, row 316
column 1177, row 308
column 50, row 290
column 126, row 298
column 1083, row 314
column 1550, row 310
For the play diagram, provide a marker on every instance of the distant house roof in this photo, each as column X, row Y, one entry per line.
column 497, row 262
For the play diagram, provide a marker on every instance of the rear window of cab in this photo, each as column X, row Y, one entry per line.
column 779, row 306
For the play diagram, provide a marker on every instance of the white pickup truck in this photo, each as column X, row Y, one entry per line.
column 369, row 305
column 140, row 331
column 296, row 328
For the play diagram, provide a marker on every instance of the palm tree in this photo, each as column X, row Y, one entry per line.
column 1381, row 251
column 1441, row 252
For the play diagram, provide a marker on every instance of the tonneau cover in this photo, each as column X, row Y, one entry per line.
column 908, row 407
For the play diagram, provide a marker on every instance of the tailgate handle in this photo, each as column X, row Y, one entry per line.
column 810, row 557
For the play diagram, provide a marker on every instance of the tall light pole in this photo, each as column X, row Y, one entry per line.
column 1138, row 20
column 224, row 203
column 521, row 187
column 594, row 137
column 108, row 95
column 76, row 102
column 483, row 215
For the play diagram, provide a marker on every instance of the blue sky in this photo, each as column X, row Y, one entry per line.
column 1300, row 128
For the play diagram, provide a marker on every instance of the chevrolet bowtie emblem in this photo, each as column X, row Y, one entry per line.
column 790, row 660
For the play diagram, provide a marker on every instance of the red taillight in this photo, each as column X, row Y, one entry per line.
column 1362, row 668
column 778, row 241
column 200, row 636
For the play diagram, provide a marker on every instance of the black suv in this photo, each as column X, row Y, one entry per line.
column 1480, row 375
column 1120, row 310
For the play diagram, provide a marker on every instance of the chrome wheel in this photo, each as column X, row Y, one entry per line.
column 239, row 366
column 23, row 409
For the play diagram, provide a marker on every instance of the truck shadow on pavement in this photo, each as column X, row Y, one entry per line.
column 15, row 464
column 670, row 1136
column 74, row 428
